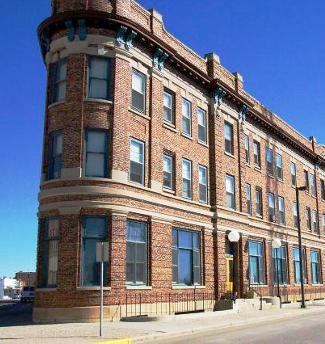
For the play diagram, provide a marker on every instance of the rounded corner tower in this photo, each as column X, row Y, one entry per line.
column 102, row 169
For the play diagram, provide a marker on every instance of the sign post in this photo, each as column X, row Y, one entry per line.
column 101, row 257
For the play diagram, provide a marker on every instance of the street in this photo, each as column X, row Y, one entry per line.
column 300, row 330
column 15, row 314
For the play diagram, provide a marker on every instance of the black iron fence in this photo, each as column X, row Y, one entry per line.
column 160, row 304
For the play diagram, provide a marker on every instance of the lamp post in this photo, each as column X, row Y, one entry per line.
column 276, row 244
column 303, row 304
column 233, row 237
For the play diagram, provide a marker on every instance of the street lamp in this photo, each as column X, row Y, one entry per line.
column 233, row 237
column 303, row 304
column 276, row 244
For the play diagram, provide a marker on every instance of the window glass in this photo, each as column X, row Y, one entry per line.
column 138, row 91
column 230, row 192
column 168, row 171
column 94, row 230
column 96, row 153
column 168, row 106
column 203, row 197
column 186, row 117
column 136, row 161
column 99, row 77
column 202, row 125
column 186, row 257
column 187, row 178
column 228, row 132
column 136, row 253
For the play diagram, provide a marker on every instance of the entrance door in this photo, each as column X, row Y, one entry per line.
column 229, row 274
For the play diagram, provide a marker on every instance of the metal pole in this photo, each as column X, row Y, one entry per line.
column 101, row 294
column 303, row 304
column 277, row 275
column 233, row 274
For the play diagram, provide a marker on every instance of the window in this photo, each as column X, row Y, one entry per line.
column 99, row 77
column 136, row 161
column 203, row 189
column 269, row 161
column 186, row 117
column 186, row 257
column 323, row 217
column 256, row 262
column 295, row 214
column 187, row 178
column 94, row 230
column 136, row 253
column 293, row 170
column 306, row 180
column 296, row 263
column 279, row 166
column 322, row 188
column 202, row 125
column 168, row 171
column 59, row 81
column 249, row 199
column 315, row 267
column 312, row 185
column 257, row 153
column 169, row 100
column 246, row 144
column 315, row 221
column 229, row 138
column 279, row 256
column 138, row 91
column 258, row 201
column 55, row 155
column 96, row 153
column 230, row 192
column 308, row 218
column 50, row 241
column 282, row 216
column 271, row 207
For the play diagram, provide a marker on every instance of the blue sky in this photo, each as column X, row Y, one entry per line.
column 278, row 46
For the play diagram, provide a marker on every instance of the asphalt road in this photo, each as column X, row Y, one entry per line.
column 302, row 330
column 15, row 314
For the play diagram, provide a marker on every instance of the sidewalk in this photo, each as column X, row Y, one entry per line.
column 147, row 332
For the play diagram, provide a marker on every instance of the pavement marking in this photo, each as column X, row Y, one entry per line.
column 115, row 341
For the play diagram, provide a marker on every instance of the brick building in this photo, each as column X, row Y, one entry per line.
column 162, row 153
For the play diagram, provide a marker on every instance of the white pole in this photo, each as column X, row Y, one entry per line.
column 101, row 292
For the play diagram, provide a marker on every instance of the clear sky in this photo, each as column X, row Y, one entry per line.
column 278, row 46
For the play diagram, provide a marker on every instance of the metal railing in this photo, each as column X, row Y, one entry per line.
column 159, row 304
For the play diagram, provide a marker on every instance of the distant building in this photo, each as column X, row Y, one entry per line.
column 25, row 278
column 9, row 287
column 2, row 287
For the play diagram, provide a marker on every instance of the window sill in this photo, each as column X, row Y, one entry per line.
column 98, row 100
column 258, row 169
column 46, row 290
column 204, row 144
column 230, row 155
column 280, row 180
column 55, row 104
column 248, row 165
column 178, row 287
column 172, row 192
column 170, row 127
column 305, row 285
column 92, row 288
column 317, row 285
column 138, row 287
column 187, row 136
column 139, row 114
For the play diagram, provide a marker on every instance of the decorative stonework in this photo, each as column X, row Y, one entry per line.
column 125, row 37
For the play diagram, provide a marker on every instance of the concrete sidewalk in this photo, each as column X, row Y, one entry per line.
column 147, row 332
